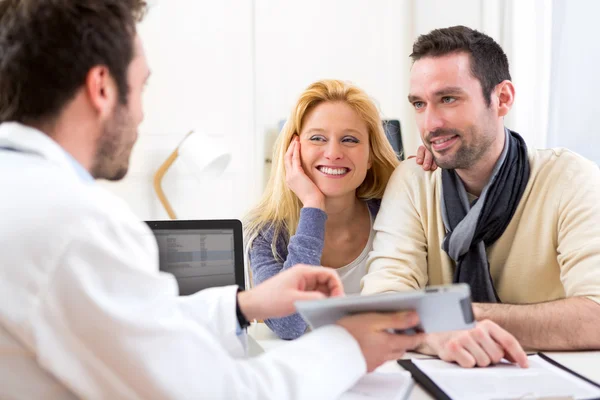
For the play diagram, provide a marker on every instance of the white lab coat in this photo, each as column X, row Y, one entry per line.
column 84, row 311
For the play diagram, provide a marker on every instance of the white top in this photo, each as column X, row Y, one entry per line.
column 352, row 273
column 85, row 312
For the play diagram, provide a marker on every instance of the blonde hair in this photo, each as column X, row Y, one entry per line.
column 279, row 207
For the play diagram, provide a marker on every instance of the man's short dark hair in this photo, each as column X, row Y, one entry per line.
column 489, row 63
column 47, row 48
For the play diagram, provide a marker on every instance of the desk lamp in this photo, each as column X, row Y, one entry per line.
column 206, row 156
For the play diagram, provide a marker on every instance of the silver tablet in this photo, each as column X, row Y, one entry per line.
column 440, row 308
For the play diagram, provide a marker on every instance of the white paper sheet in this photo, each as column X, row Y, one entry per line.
column 507, row 381
column 381, row 385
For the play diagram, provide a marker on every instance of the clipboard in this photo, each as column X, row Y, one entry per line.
column 433, row 389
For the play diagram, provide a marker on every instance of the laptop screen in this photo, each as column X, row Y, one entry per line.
column 200, row 254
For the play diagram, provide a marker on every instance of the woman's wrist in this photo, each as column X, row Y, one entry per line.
column 315, row 203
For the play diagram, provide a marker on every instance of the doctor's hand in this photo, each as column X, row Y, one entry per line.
column 482, row 346
column 378, row 345
column 425, row 159
column 276, row 296
column 297, row 180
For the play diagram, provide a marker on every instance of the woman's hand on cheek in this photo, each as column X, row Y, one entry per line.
column 297, row 180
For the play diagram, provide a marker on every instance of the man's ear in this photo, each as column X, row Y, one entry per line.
column 505, row 94
column 101, row 90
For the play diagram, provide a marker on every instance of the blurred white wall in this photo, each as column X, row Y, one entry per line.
column 201, row 59
column 235, row 67
column 575, row 81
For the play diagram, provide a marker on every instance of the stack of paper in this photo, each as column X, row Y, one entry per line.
column 507, row 381
column 381, row 385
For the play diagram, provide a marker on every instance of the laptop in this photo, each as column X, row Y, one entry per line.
column 202, row 254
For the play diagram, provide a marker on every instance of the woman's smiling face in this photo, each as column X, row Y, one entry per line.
column 334, row 148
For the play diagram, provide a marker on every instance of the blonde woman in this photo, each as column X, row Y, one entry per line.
column 332, row 162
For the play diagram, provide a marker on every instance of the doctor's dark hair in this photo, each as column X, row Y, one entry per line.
column 489, row 64
column 47, row 48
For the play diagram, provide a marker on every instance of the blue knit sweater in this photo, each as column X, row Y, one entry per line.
column 305, row 247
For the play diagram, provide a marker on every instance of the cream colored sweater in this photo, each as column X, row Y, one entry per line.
column 549, row 251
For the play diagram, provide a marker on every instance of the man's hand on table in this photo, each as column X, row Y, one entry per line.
column 482, row 346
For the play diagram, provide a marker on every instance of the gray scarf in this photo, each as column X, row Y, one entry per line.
column 472, row 227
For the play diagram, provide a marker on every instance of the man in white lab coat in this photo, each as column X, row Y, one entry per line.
column 84, row 311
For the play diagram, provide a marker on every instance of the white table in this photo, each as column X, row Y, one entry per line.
column 585, row 363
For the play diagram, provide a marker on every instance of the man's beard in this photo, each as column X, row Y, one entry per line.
column 113, row 148
column 467, row 155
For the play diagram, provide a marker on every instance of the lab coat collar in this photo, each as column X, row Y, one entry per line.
column 29, row 140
